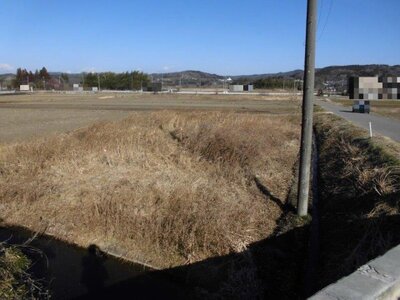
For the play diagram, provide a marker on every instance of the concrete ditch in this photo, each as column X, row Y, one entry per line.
column 378, row 279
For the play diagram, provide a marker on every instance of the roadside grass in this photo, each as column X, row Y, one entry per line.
column 359, row 197
column 387, row 108
column 164, row 188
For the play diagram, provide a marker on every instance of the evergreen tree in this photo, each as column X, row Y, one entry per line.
column 44, row 75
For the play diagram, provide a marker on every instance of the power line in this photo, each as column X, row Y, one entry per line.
column 321, row 8
column 326, row 20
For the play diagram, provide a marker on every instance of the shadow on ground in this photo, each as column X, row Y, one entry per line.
column 271, row 269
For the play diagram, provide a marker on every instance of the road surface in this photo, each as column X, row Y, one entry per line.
column 381, row 125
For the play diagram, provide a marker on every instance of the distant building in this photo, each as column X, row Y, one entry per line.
column 236, row 88
column 24, row 88
column 374, row 88
column 241, row 88
column 248, row 88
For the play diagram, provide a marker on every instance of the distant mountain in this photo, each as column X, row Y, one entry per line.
column 338, row 75
column 190, row 74
column 6, row 80
column 334, row 75
column 187, row 78
column 8, row 76
column 294, row 74
column 335, row 72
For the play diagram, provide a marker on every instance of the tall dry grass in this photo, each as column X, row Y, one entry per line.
column 164, row 188
column 360, row 197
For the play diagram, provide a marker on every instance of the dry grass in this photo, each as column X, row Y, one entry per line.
column 110, row 97
column 164, row 188
column 360, row 197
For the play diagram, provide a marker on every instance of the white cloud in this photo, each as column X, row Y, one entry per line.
column 166, row 68
column 6, row 68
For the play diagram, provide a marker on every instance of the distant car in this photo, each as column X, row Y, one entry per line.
column 361, row 106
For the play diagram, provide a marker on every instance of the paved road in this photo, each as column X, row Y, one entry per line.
column 381, row 125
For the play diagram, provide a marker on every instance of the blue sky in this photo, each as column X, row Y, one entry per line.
column 219, row 36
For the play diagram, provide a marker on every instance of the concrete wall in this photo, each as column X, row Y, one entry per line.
column 379, row 279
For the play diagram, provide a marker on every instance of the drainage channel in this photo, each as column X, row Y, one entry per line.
column 72, row 272
column 313, row 247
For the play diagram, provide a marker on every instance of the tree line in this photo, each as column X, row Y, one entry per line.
column 276, row 83
column 116, row 81
column 40, row 79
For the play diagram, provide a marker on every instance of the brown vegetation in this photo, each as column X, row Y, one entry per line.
column 360, row 197
column 164, row 188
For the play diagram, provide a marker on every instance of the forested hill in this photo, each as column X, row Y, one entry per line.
column 334, row 75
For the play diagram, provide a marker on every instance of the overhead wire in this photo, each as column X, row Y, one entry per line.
column 326, row 20
column 321, row 8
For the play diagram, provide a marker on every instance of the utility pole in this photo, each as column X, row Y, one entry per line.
column 294, row 85
column 307, row 117
column 98, row 81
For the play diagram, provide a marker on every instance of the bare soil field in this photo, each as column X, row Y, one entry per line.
column 33, row 115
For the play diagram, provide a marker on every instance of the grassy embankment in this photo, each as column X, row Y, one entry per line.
column 164, row 188
column 387, row 108
column 360, row 197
